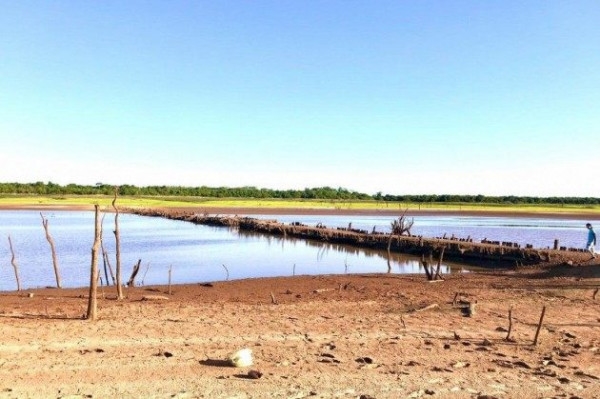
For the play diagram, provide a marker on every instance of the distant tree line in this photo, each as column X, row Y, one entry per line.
column 323, row 193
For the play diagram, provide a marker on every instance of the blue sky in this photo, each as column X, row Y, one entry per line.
column 402, row 97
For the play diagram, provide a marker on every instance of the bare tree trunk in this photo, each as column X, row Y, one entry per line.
column 13, row 261
column 107, row 263
column 136, row 269
column 425, row 264
column 118, row 247
column 105, row 259
column 92, row 301
column 170, row 269
column 53, row 249
column 439, row 265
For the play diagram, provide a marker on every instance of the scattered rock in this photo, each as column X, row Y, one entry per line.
column 460, row 365
column 164, row 353
column 254, row 374
column 241, row 358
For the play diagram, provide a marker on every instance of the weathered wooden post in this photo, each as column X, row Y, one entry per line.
column 556, row 244
column 92, row 301
column 537, row 331
column 118, row 248
column 13, row 261
column 53, row 249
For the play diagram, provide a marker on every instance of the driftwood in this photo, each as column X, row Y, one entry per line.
column 92, row 300
column 13, row 261
column 134, row 272
column 53, row 249
column 118, row 247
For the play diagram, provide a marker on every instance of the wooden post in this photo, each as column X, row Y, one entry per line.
column 118, row 247
column 53, row 249
column 439, row 265
column 226, row 271
column 537, row 332
column 107, row 263
column 13, row 261
column 92, row 301
column 170, row 269
column 134, row 272
column 509, row 324
column 556, row 244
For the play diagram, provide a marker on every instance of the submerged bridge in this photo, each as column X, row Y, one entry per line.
column 485, row 254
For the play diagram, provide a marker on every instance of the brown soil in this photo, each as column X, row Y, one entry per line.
column 347, row 336
column 361, row 336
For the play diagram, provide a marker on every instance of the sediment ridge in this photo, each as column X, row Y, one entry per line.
column 464, row 250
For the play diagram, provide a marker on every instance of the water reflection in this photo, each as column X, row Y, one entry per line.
column 394, row 262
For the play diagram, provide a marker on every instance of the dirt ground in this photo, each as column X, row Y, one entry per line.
column 345, row 336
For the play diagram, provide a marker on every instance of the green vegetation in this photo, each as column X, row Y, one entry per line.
column 317, row 198
column 320, row 193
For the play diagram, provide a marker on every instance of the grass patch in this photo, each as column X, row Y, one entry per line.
column 207, row 203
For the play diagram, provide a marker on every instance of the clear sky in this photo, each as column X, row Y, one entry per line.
column 402, row 97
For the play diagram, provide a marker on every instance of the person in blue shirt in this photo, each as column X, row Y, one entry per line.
column 591, row 241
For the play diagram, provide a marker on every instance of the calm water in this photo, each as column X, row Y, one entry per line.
column 200, row 253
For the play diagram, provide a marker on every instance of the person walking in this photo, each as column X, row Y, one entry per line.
column 591, row 241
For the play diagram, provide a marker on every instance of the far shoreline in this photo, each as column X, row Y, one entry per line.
column 253, row 211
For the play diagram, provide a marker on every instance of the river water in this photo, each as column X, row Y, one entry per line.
column 197, row 253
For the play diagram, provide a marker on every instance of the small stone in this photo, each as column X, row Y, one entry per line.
column 254, row 374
